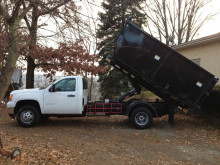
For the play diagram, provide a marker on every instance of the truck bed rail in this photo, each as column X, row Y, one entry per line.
column 108, row 108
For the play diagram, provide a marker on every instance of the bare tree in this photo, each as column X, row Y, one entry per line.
column 86, row 29
column 91, row 41
column 69, row 26
column 176, row 18
column 40, row 9
column 12, row 14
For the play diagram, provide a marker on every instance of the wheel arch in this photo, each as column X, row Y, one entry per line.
column 139, row 104
column 22, row 103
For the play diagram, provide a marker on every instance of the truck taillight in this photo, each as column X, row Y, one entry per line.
column 10, row 98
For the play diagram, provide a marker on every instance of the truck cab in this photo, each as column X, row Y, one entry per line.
column 66, row 96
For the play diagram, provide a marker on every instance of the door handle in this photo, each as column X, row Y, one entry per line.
column 70, row 95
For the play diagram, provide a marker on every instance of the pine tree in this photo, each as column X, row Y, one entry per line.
column 113, row 82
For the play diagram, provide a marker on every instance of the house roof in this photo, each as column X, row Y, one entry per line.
column 203, row 40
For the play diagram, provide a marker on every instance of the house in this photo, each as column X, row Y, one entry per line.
column 205, row 52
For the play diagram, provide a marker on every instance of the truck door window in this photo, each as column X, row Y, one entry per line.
column 66, row 85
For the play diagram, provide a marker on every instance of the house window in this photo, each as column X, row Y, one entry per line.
column 196, row 61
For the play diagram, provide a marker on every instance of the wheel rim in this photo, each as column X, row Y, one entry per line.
column 27, row 116
column 141, row 118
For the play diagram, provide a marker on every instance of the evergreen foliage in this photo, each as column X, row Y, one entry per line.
column 113, row 82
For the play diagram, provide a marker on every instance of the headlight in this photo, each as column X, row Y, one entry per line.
column 10, row 98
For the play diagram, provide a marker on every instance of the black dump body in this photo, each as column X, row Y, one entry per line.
column 160, row 69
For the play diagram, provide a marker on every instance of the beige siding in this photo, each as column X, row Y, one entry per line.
column 209, row 55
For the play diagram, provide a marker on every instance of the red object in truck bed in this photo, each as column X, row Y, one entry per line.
column 104, row 107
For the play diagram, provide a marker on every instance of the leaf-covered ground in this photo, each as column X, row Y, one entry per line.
column 111, row 140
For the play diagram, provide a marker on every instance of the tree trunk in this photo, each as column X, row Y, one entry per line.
column 13, row 53
column 33, row 41
column 90, row 89
column 30, row 73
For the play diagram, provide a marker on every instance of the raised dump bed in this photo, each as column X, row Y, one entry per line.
column 161, row 69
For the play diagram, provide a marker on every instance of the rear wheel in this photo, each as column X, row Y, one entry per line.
column 141, row 118
column 27, row 116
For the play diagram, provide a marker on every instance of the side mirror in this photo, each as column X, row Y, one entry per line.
column 52, row 88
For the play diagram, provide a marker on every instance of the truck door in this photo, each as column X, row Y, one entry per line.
column 64, row 100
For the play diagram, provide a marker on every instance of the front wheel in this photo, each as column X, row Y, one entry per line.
column 141, row 118
column 27, row 116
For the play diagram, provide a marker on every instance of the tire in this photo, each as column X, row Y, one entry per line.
column 141, row 118
column 28, row 116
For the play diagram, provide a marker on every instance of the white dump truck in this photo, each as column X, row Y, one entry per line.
column 147, row 62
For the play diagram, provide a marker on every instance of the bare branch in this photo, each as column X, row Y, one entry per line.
column 48, row 10
column 15, row 11
column 27, row 9
column 4, row 12
column 179, row 17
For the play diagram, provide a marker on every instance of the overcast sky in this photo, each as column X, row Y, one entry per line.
column 209, row 28
column 213, row 26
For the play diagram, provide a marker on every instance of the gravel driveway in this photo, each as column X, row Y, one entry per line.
column 111, row 140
